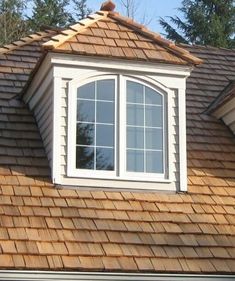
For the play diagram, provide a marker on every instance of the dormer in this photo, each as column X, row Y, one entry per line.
column 224, row 106
column 109, row 100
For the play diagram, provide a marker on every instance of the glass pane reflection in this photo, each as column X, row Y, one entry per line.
column 95, row 134
column 152, row 97
column 105, row 135
column 105, row 159
column 85, row 134
column 135, row 161
column 135, row 92
column 153, row 116
column 135, row 115
column 154, row 139
column 105, row 112
column 106, row 90
column 85, row 157
column 86, row 111
column 135, row 137
column 154, row 162
column 87, row 91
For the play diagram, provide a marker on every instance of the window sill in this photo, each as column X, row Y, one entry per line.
column 141, row 178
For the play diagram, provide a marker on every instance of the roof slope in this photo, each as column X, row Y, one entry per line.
column 108, row 34
column 43, row 227
column 20, row 141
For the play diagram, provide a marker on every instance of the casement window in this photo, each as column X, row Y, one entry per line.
column 118, row 129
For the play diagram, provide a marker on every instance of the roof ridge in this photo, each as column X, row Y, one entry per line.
column 171, row 46
column 25, row 40
column 206, row 47
column 74, row 29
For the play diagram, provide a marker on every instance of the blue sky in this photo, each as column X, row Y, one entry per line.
column 154, row 9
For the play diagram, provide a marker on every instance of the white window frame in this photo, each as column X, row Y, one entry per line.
column 123, row 146
column 120, row 172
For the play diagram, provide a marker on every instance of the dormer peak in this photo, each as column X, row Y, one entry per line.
column 108, row 6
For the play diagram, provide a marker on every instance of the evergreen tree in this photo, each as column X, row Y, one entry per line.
column 205, row 22
column 49, row 13
column 12, row 22
column 81, row 10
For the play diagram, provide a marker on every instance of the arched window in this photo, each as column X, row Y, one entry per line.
column 95, row 137
column 144, row 108
column 120, row 129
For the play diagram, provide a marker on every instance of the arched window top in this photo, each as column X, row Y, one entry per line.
column 138, row 92
column 100, row 89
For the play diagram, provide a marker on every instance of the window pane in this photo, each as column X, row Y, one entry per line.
column 85, row 157
column 152, row 97
column 135, row 115
column 85, row 133
column 135, row 137
column 105, row 159
column 105, row 135
column 153, row 116
column 154, row 162
column 135, row 93
column 86, row 111
column 87, row 91
column 135, row 161
column 154, row 139
column 105, row 112
column 106, row 90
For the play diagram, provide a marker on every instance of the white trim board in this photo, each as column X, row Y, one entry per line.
column 87, row 276
column 122, row 65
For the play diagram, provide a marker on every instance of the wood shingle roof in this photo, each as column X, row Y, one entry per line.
column 51, row 228
column 109, row 34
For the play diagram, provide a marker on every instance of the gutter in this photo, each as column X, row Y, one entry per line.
column 100, row 276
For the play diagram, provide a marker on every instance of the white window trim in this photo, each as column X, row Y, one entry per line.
column 120, row 118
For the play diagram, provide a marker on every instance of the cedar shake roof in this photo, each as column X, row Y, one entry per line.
column 52, row 228
column 108, row 34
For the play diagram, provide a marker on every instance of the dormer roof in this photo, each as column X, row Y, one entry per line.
column 108, row 34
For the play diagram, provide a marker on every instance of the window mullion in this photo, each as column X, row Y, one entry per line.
column 116, row 127
column 95, row 125
column 144, row 131
column 122, row 125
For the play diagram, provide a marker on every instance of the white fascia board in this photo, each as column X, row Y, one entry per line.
column 122, row 65
column 109, row 64
column 78, row 276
